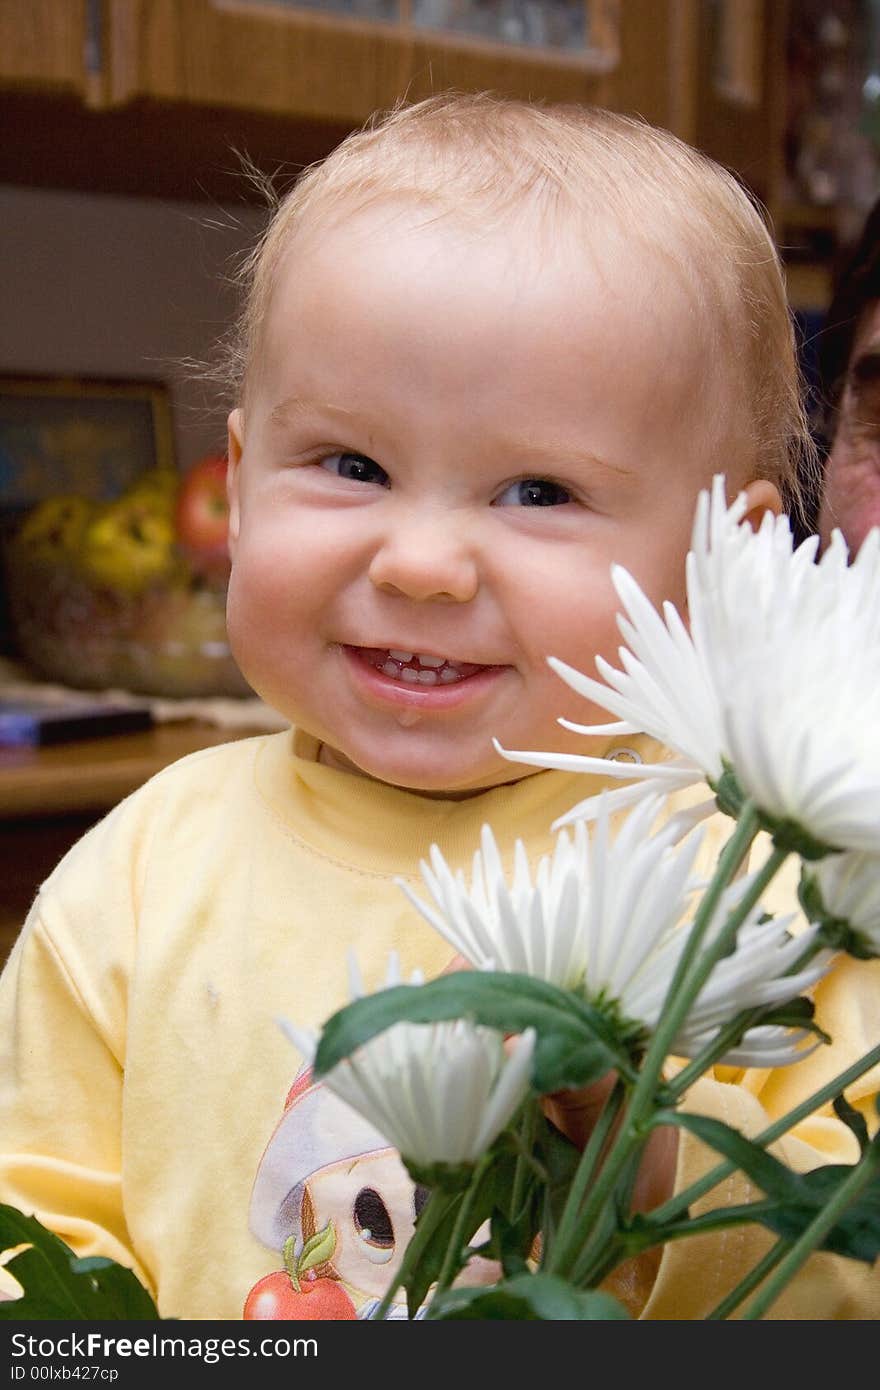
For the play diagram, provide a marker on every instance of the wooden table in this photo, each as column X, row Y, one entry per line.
column 50, row 796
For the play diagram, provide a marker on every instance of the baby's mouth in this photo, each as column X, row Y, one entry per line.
column 416, row 668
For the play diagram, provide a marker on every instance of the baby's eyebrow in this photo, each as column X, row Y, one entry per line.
column 294, row 406
column 555, row 454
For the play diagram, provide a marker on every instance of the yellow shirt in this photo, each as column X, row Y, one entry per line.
column 143, row 1075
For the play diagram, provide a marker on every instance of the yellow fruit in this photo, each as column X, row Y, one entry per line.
column 159, row 485
column 54, row 528
column 129, row 545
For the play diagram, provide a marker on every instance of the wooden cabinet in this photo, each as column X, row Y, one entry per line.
column 710, row 70
column 740, row 91
column 154, row 97
column 318, row 63
column 44, row 44
column 315, row 63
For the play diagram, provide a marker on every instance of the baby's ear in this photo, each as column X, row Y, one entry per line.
column 234, row 447
column 761, row 496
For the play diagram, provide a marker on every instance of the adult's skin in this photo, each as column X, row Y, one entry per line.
column 849, row 385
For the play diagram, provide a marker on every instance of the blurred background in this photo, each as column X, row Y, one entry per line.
column 122, row 201
column 124, row 212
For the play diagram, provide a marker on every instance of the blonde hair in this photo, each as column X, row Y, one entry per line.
column 484, row 157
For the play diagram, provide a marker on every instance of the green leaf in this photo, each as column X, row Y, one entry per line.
column 489, row 1202
column 562, row 1063
column 509, row 1239
column 856, row 1233
column 320, row 1247
column 528, row 1297
column 574, row 1046
column 560, row 1159
column 435, row 1225
column 853, row 1119
column 793, row 1013
column 796, row 1198
column 59, row 1284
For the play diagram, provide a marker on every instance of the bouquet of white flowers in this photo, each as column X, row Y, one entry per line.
column 616, row 966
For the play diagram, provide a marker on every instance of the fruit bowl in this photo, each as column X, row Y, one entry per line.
column 122, row 595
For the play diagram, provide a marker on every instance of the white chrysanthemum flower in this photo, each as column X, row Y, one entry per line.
column 849, row 889
column 592, row 902
column 756, row 974
column 778, row 677
column 607, row 917
column 440, row 1093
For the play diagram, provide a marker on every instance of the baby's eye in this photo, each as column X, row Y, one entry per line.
column 533, row 492
column 357, row 467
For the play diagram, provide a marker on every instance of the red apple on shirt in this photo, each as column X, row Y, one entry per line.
column 274, row 1297
column 202, row 516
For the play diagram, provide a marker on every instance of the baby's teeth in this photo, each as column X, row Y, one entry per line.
column 427, row 677
column 449, row 675
column 390, row 668
column 401, row 656
column 408, row 674
column 431, row 660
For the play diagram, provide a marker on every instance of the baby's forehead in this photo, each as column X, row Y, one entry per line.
column 527, row 249
column 543, row 342
column 538, row 236
column 551, row 223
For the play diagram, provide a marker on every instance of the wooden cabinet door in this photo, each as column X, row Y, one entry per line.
column 317, row 65
column 43, row 44
column 740, row 117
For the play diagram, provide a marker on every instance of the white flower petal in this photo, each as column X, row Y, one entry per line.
column 439, row 1093
column 609, row 915
column 777, row 675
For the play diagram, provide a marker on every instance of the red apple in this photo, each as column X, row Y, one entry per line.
column 202, row 515
column 297, row 1290
column 274, row 1297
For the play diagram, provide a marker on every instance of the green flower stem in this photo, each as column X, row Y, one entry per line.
column 702, row 968
column 627, row 1246
column 521, row 1171
column 751, row 1281
column 623, row 1148
column 411, row 1256
column 685, row 986
column 864, row 1173
column 687, row 982
column 452, row 1258
column 603, row 1252
column 679, row 1204
column 568, row 1235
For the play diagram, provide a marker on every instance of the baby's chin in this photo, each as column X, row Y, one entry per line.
column 439, row 787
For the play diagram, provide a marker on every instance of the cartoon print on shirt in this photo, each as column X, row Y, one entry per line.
column 337, row 1204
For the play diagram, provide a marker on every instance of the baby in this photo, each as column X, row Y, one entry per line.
column 488, row 348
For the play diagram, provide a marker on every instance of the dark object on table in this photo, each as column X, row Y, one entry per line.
column 34, row 722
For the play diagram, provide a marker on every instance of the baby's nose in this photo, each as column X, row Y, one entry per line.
column 426, row 561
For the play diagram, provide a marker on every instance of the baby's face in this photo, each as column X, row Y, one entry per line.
column 851, row 495
column 449, row 439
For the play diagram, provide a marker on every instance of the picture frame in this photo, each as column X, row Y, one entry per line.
column 86, row 435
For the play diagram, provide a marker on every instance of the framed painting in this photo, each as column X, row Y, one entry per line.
column 83, row 435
